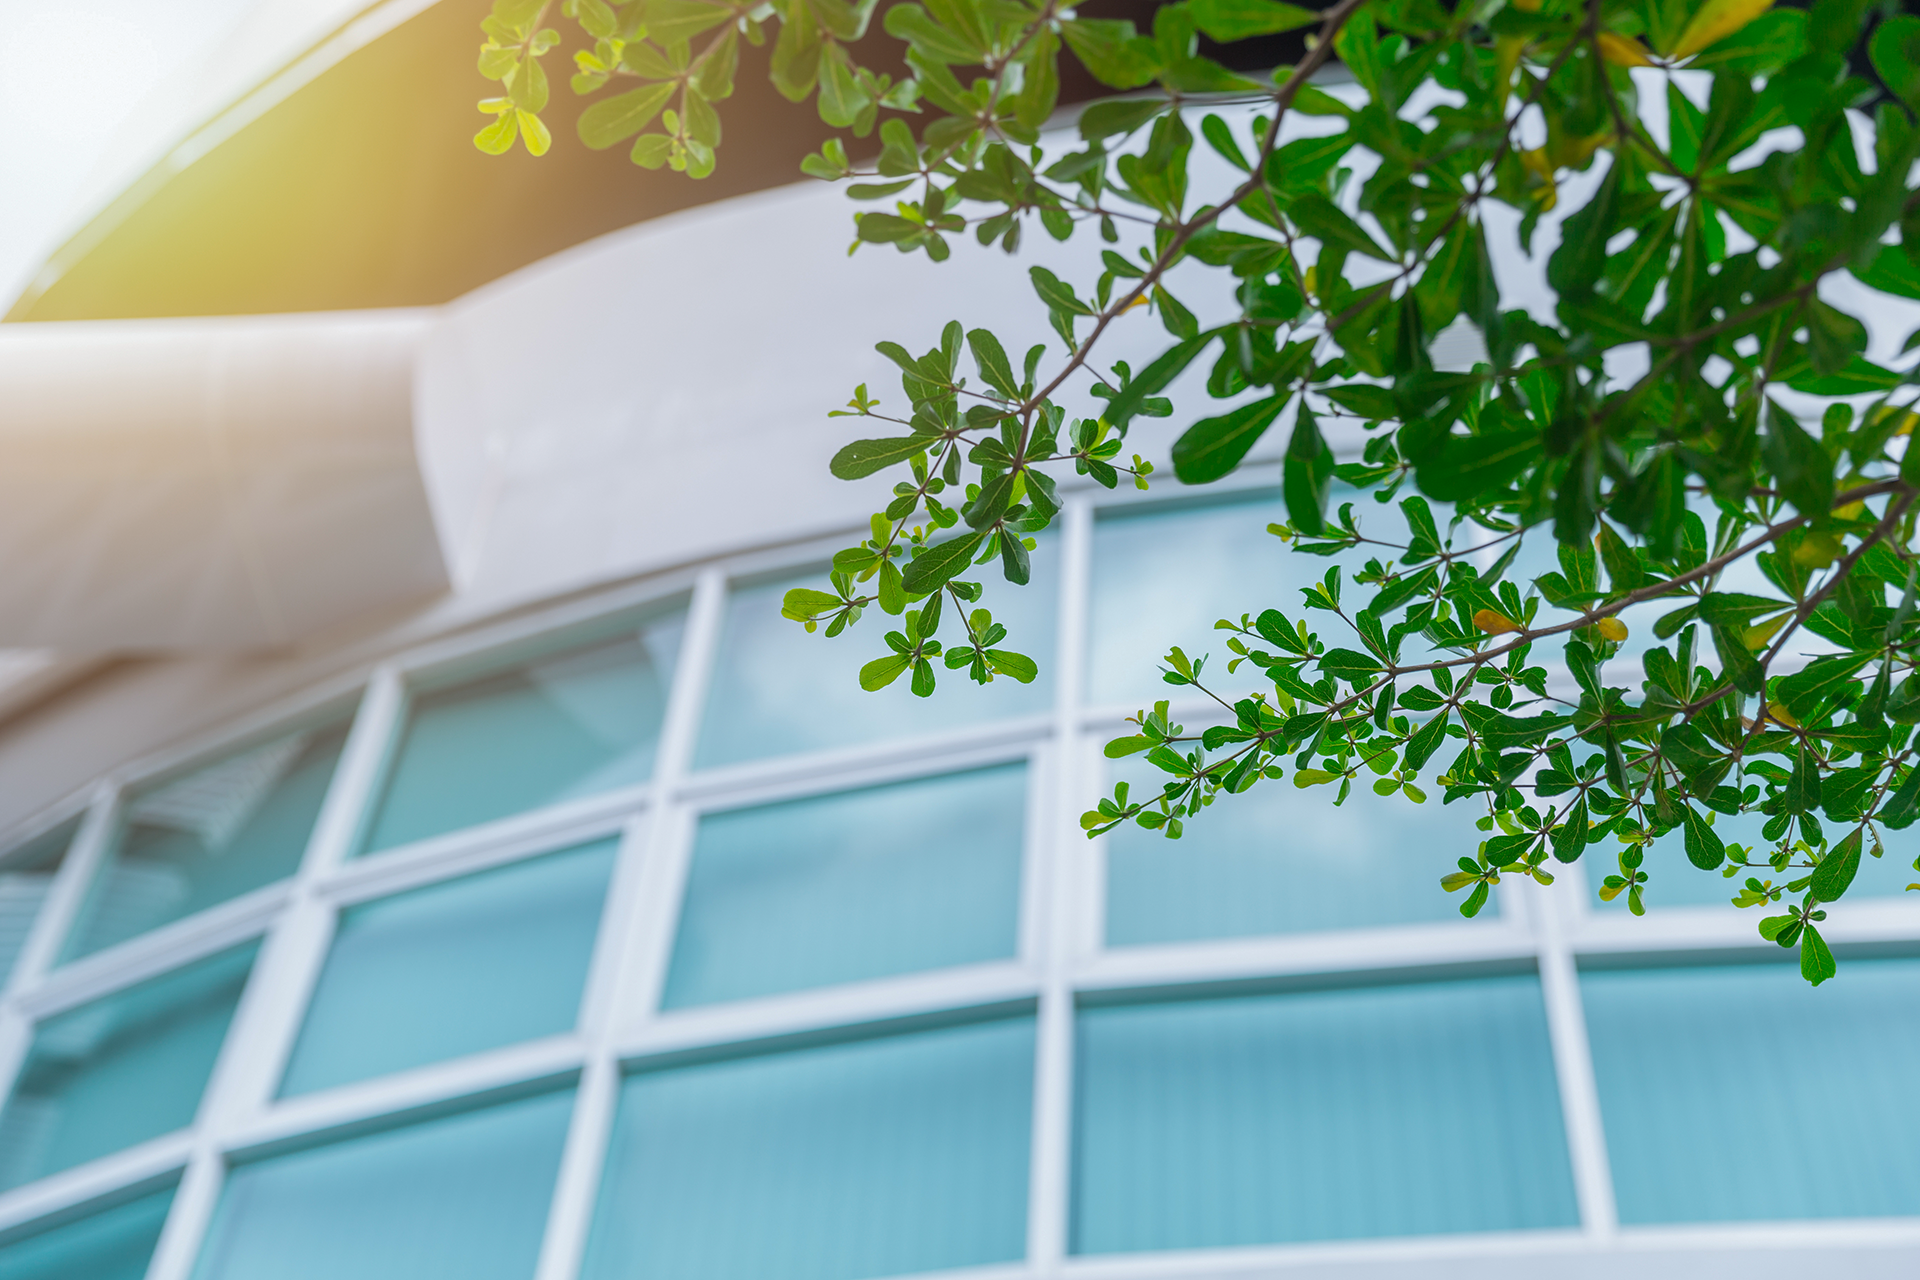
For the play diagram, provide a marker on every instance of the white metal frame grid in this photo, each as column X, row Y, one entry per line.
column 1060, row 957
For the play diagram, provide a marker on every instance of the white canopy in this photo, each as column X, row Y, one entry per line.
column 209, row 484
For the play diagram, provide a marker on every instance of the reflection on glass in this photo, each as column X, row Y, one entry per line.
column 1281, row 860
column 1406, row 1110
column 462, row 1196
column 109, row 1244
column 1739, row 1092
column 128, row 1067
column 459, row 967
column 214, row 834
column 25, row 876
column 1672, row 881
column 1164, row 573
column 574, row 724
column 840, row 888
column 777, row 689
column 838, row 1162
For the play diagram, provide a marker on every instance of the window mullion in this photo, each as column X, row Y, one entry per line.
column 56, row 915
column 270, row 1013
column 1061, row 851
column 626, row 973
column 1573, row 1062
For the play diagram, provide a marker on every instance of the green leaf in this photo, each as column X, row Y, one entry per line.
column 1773, row 927
column 1153, row 379
column 801, row 603
column 1818, row 680
column 1904, row 805
column 1837, row 869
column 497, row 138
column 864, row 457
column 1127, row 746
column 931, row 39
column 1895, row 51
column 1213, row 447
column 1117, row 56
column 1373, row 403
column 882, row 672
column 1353, row 667
column 992, row 359
column 1105, row 119
column 938, row 564
column 614, row 120
column 1816, row 961
column 1056, row 293
column 1570, row 837
column 1307, row 474
column 1320, row 218
column 1576, row 265
column 1855, row 376
column 1891, row 270
column 1801, row 468
column 1302, row 164
column 1467, row 467
column 893, row 596
column 1017, row 665
column 1424, row 742
column 1231, row 20
column 1705, row 849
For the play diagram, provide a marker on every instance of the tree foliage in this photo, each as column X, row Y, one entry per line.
column 1694, row 421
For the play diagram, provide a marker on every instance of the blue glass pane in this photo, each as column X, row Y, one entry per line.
column 112, row 1244
column 562, row 727
column 462, row 1197
column 472, row 964
column 211, row 835
column 1736, row 1092
column 846, row 887
column 25, row 876
column 1388, row 1111
column 874, row 1158
column 126, row 1068
column 1672, row 881
column 1163, row 575
column 777, row 689
column 1282, row 860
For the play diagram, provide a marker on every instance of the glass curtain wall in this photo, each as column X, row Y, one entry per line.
column 655, row 948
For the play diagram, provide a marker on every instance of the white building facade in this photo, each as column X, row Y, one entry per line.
column 428, row 853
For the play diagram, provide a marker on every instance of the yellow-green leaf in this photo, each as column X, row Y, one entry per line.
column 1714, row 21
column 534, row 132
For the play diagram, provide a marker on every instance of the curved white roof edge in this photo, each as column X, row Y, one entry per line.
column 222, row 485
column 644, row 401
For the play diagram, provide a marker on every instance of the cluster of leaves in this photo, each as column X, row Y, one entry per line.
column 1728, row 161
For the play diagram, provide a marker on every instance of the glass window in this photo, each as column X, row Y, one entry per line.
column 836, row 1162
column 471, row 964
column 1282, row 860
column 1387, row 1111
column 1164, row 574
column 1738, row 1092
column 841, row 888
column 25, row 876
column 214, row 834
column 1672, row 881
column 123, row 1069
column 777, row 689
column 460, row 1196
column 108, row 1244
column 570, row 725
